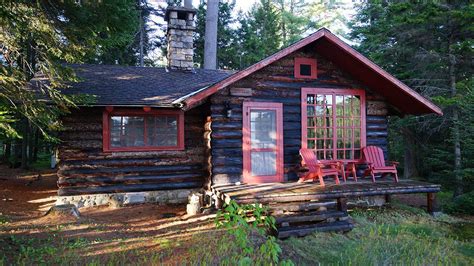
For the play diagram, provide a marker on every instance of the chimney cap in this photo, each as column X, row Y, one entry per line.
column 179, row 9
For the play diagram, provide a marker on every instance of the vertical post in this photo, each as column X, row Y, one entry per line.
column 342, row 204
column 388, row 198
column 432, row 203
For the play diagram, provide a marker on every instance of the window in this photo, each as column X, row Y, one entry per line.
column 333, row 122
column 140, row 130
column 305, row 68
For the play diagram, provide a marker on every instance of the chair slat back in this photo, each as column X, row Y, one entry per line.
column 309, row 158
column 374, row 155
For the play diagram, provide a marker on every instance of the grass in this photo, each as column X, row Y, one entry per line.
column 400, row 235
column 385, row 237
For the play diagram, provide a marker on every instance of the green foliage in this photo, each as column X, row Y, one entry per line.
column 241, row 221
column 387, row 237
column 417, row 42
column 37, row 37
column 463, row 204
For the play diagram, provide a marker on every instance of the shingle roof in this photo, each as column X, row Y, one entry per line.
column 140, row 86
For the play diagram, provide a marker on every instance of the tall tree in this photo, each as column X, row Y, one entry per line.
column 226, row 39
column 258, row 33
column 36, row 37
column 293, row 20
column 429, row 46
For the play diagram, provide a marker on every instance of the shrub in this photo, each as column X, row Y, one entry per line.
column 241, row 221
column 463, row 204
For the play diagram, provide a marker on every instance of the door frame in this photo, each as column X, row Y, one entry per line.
column 246, row 142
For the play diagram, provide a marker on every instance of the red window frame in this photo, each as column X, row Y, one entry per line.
column 145, row 112
column 306, row 61
column 334, row 92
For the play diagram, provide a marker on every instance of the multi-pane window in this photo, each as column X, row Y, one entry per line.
column 142, row 131
column 333, row 123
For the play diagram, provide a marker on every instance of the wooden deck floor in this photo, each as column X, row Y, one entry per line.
column 292, row 191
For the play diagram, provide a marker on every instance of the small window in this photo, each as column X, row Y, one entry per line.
column 305, row 68
column 139, row 130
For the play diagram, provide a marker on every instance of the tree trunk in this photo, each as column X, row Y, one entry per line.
column 7, row 150
column 410, row 168
column 210, row 41
column 24, row 145
column 141, row 32
column 458, row 175
column 35, row 148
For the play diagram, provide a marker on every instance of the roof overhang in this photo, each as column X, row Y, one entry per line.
column 398, row 94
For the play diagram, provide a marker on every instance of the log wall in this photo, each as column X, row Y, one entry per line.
column 276, row 83
column 85, row 169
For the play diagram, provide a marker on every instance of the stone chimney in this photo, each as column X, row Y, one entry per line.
column 180, row 37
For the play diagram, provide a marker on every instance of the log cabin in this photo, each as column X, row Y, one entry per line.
column 157, row 134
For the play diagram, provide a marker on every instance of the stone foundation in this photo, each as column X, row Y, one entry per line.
column 372, row 201
column 118, row 199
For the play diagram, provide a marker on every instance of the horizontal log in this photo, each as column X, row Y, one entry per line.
column 71, row 191
column 309, row 216
column 300, row 231
column 123, row 170
column 106, row 180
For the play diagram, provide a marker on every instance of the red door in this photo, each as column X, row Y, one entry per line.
column 262, row 142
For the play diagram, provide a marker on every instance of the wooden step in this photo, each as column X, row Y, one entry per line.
column 301, row 206
column 303, row 230
column 309, row 217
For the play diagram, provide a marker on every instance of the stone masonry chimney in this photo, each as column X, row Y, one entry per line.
column 180, row 37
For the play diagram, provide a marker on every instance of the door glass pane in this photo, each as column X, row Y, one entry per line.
column 263, row 163
column 263, row 128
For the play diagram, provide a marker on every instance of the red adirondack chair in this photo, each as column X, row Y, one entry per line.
column 317, row 169
column 375, row 160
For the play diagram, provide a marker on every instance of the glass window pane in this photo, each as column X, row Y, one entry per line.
column 320, row 111
column 127, row 131
column 320, row 132
column 340, row 122
column 348, row 143
column 263, row 128
column 320, row 99
column 319, row 144
column 311, row 122
column 263, row 163
column 340, row 154
column 340, row 144
column 305, row 70
column 329, row 132
column 329, row 155
column 311, row 133
column 329, row 99
column 310, row 110
column 348, row 154
column 356, row 154
column 311, row 144
column 356, row 106
column 310, row 99
column 162, row 131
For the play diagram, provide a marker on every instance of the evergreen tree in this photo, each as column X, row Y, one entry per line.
column 429, row 47
column 225, row 36
column 293, row 20
column 36, row 37
column 258, row 33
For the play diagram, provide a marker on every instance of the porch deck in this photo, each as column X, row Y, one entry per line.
column 302, row 208
column 311, row 191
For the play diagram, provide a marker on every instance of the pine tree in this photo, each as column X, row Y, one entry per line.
column 429, row 47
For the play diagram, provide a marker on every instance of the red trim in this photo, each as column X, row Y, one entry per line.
column 140, row 112
column 304, row 121
column 305, row 61
column 425, row 107
column 246, row 144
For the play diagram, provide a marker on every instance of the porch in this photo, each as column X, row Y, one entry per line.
column 303, row 208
